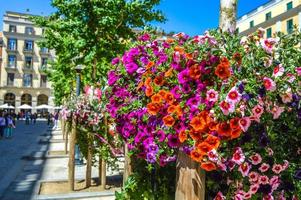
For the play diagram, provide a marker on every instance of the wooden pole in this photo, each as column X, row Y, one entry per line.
column 227, row 17
column 190, row 179
column 63, row 123
column 71, row 164
column 102, row 171
column 127, row 165
column 67, row 130
column 89, row 163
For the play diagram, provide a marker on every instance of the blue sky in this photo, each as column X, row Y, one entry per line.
column 189, row 16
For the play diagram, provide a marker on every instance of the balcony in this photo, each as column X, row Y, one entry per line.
column 10, row 68
column 27, row 68
column 44, row 51
column 28, row 51
column 12, row 50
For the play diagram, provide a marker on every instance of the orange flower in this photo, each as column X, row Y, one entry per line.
column 224, row 61
column 179, row 111
column 235, row 133
column 212, row 126
column 159, row 80
column 162, row 93
column 171, row 109
column 208, row 166
column 205, row 115
column 183, row 136
column 170, row 40
column 204, row 147
column 169, row 98
column 222, row 71
column 196, row 135
column 213, row 141
column 150, row 64
column 168, row 73
column 149, row 91
column 147, row 82
column 195, row 155
column 189, row 56
column 179, row 49
column 153, row 108
column 156, row 98
column 198, row 123
column 234, row 123
column 224, row 129
column 140, row 85
column 168, row 120
column 195, row 72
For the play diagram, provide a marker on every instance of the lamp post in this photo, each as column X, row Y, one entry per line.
column 78, row 69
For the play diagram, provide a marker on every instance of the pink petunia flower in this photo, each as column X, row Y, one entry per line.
column 244, row 169
column 253, row 177
column 244, row 123
column 263, row 180
column 278, row 71
column 247, row 195
column 212, row 155
column 287, row 97
column 233, row 96
column 275, row 182
column 268, row 44
column 277, row 168
column 269, row 84
column 219, row 196
column 212, row 95
column 227, row 107
column 270, row 151
column 221, row 166
column 276, row 111
column 255, row 159
column 254, row 188
column 238, row 156
column 285, row 165
column 268, row 197
column 298, row 70
column 257, row 111
column 264, row 167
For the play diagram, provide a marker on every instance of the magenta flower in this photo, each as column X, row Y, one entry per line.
column 298, row 70
column 255, row 159
column 173, row 141
column 269, row 84
column 212, row 95
column 115, row 61
column 244, row 169
column 244, row 123
column 183, row 76
column 233, row 96
column 277, row 168
column 226, row 107
column 264, row 167
column 131, row 68
column 238, row 156
column 278, row 71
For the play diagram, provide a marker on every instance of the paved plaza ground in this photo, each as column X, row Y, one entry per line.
column 25, row 163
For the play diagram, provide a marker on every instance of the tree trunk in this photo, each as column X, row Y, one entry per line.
column 102, row 173
column 127, row 165
column 89, row 163
column 71, row 165
column 190, row 180
column 227, row 17
column 67, row 130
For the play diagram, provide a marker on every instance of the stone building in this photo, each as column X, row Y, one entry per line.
column 273, row 16
column 23, row 79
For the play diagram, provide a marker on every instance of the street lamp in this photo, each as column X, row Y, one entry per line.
column 78, row 69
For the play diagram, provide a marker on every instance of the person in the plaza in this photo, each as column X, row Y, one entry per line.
column 27, row 116
column 2, row 125
column 56, row 120
column 34, row 116
column 9, row 126
column 49, row 119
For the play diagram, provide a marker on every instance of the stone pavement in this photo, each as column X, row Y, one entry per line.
column 25, row 163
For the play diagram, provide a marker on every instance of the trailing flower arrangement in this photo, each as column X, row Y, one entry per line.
column 198, row 94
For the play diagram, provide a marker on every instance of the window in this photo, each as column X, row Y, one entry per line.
column 289, row 5
column 10, row 99
column 269, row 32
column 10, row 78
column 28, row 45
column 28, row 62
column 44, row 63
column 268, row 16
column 251, row 23
column 12, row 61
column 12, row 44
column 27, row 80
column 43, row 81
column 289, row 26
column 44, row 50
column 29, row 30
column 12, row 28
column 26, row 99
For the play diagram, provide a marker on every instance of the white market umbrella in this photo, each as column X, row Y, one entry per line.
column 58, row 107
column 11, row 107
column 4, row 106
column 25, row 106
column 44, row 106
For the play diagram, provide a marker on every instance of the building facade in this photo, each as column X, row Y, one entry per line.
column 23, row 79
column 274, row 16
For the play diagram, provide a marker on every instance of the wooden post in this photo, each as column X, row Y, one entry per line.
column 127, row 165
column 190, row 179
column 89, row 163
column 227, row 17
column 67, row 131
column 63, row 124
column 71, row 164
column 102, row 170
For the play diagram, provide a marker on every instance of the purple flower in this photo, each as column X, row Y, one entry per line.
column 186, row 149
column 160, row 135
column 186, row 88
column 112, row 77
column 241, row 88
column 173, row 141
column 183, row 76
column 145, row 37
column 147, row 142
column 144, row 60
column 153, row 148
column 131, row 67
column 139, row 137
column 176, row 92
column 194, row 102
column 115, row 61
column 151, row 157
column 297, row 175
column 166, row 45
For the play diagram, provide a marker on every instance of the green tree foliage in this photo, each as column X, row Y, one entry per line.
column 93, row 31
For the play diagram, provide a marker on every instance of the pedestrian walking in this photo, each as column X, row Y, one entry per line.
column 9, row 126
column 56, row 120
column 27, row 116
column 35, row 118
column 2, row 125
column 49, row 119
